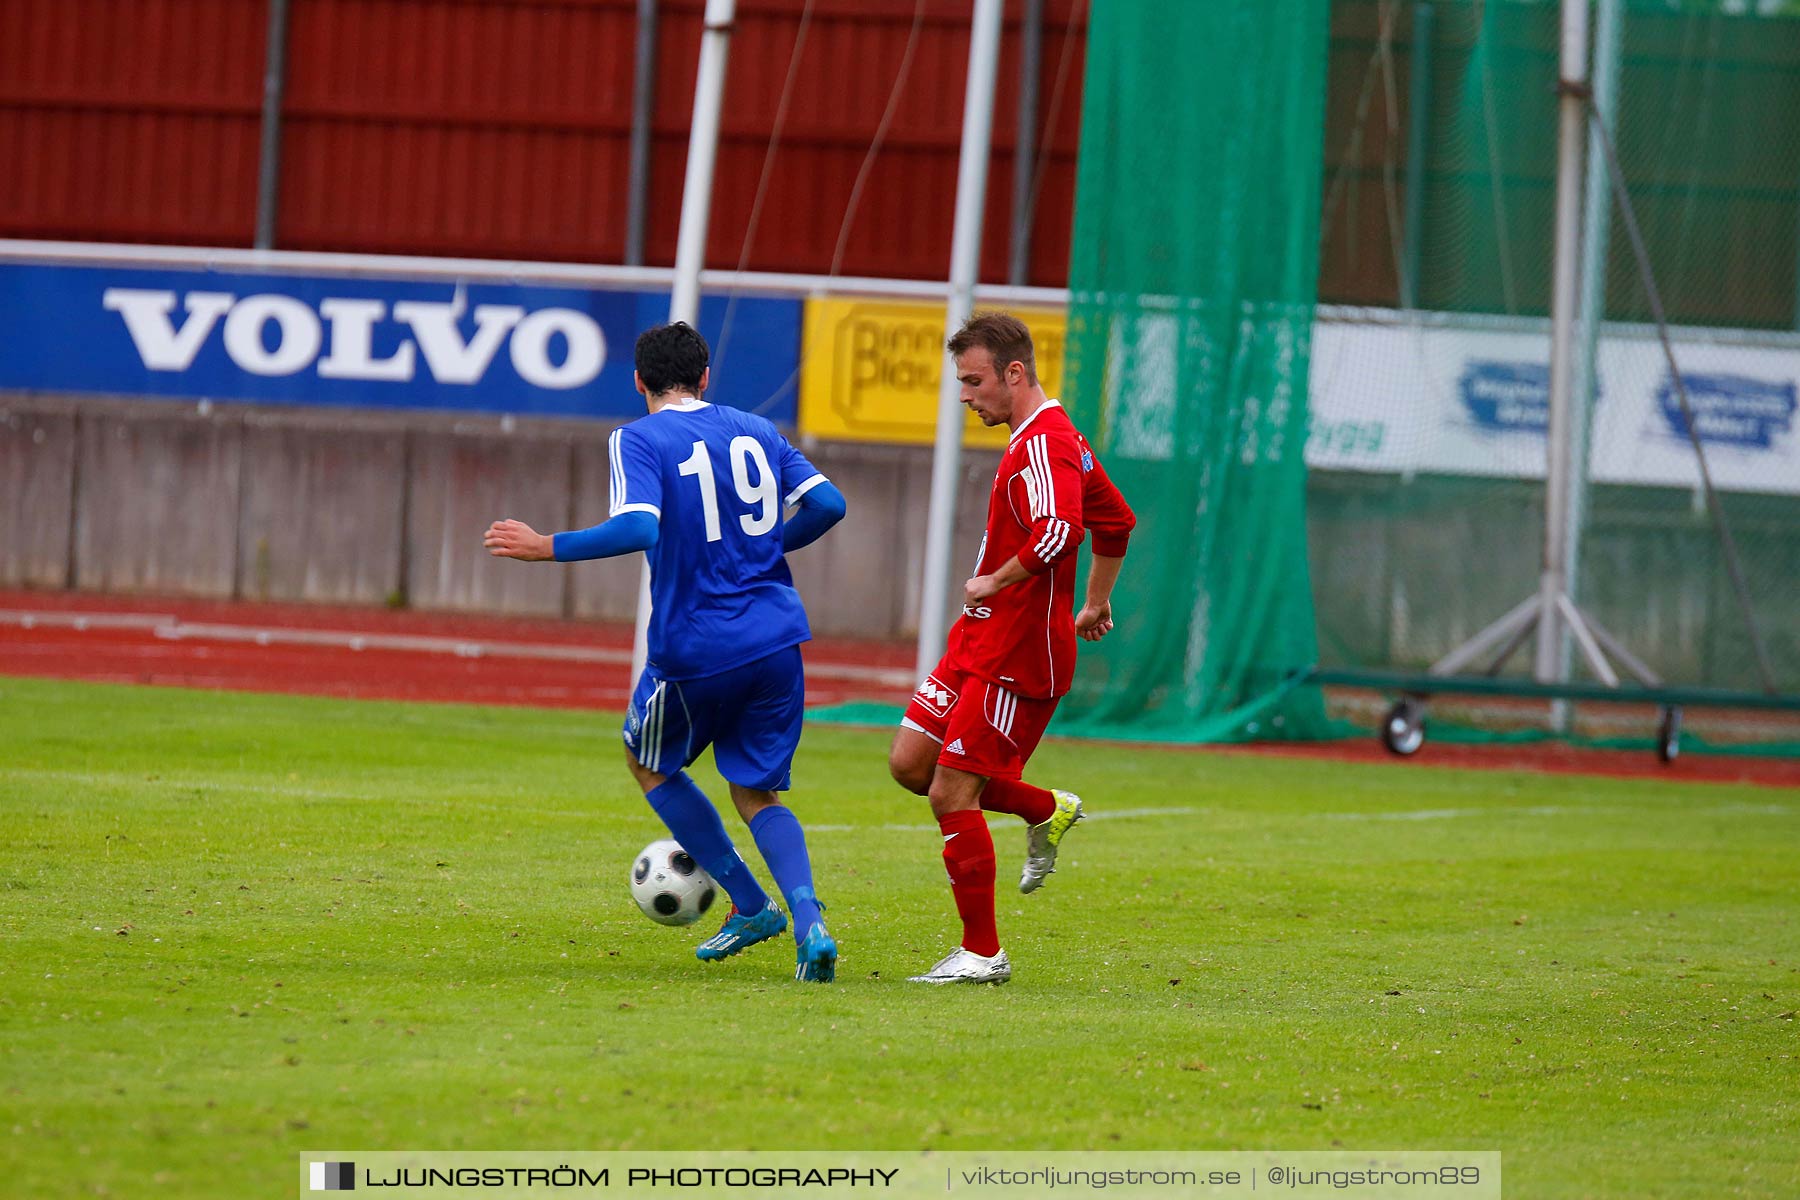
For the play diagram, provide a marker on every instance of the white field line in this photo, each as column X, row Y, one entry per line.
column 137, row 781
column 134, row 779
column 1545, row 810
column 1442, row 814
column 170, row 628
column 282, row 790
column 1002, row 819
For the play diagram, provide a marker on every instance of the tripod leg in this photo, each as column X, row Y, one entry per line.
column 1511, row 648
column 1523, row 616
column 1632, row 662
column 1590, row 649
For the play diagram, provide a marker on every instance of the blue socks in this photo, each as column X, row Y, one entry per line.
column 695, row 823
column 783, row 846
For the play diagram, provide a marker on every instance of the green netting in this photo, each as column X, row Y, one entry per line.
column 1240, row 162
column 1192, row 275
column 1708, row 128
column 1427, row 453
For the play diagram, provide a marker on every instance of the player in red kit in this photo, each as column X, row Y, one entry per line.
column 975, row 720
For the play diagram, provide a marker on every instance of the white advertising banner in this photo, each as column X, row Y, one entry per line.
column 1441, row 398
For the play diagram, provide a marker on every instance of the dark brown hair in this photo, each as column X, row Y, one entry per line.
column 1002, row 335
column 671, row 356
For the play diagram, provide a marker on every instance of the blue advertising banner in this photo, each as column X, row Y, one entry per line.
column 1733, row 409
column 1507, row 396
column 369, row 342
column 1442, row 399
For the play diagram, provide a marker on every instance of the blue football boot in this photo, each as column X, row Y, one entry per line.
column 740, row 932
column 816, row 958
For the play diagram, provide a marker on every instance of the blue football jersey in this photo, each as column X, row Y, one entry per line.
column 718, row 480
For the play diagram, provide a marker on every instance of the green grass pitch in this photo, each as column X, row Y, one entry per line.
column 239, row 927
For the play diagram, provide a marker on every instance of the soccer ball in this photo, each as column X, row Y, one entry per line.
column 669, row 885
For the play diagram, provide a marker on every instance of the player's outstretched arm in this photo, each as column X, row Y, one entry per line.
column 516, row 539
column 623, row 534
column 821, row 507
column 1095, row 619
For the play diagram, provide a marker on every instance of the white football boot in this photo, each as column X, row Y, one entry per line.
column 1043, row 839
column 965, row 966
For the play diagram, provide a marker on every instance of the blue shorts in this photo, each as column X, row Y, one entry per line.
column 750, row 715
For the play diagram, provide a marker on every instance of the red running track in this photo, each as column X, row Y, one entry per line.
column 370, row 653
column 375, row 653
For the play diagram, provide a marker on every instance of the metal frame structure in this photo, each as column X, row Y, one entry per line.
column 268, row 167
column 1583, row 210
column 965, row 261
column 1415, row 690
column 1552, row 612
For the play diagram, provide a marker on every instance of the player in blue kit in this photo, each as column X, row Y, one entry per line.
column 701, row 490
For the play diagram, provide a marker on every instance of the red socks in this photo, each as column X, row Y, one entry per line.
column 1019, row 798
column 969, row 857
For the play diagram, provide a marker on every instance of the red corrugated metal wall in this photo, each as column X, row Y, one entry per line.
column 500, row 128
column 495, row 129
column 130, row 120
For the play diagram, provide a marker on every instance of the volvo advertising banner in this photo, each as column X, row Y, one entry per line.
column 486, row 347
column 1449, row 395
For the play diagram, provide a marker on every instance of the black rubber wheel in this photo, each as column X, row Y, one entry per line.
column 1403, row 729
column 1668, row 735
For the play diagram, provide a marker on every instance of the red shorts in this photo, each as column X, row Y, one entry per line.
column 983, row 728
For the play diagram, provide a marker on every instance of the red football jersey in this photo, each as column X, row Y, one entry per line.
column 1049, row 490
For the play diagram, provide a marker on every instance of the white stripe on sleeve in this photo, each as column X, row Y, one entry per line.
column 617, row 498
column 1037, row 478
column 804, row 488
column 1040, row 448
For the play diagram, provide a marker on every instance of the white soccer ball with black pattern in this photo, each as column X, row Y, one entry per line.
column 669, row 885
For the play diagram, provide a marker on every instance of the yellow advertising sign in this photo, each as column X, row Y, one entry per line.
column 869, row 370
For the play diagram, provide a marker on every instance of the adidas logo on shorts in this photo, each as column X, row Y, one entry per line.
column 954, row 747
